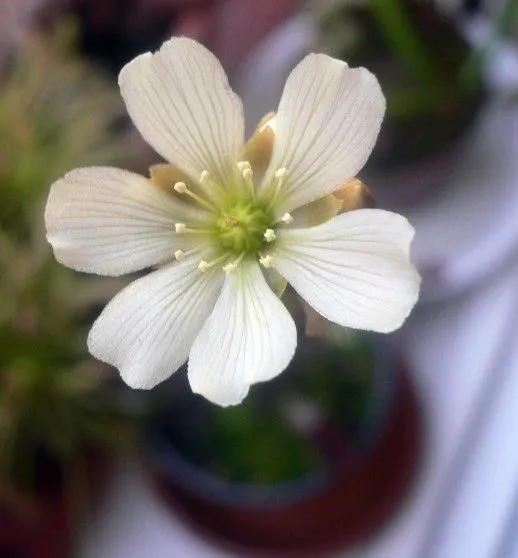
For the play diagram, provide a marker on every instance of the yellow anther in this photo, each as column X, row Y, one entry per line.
column 204, row 265
column 287, row 219
column 269, row 235
column 242, row 165
column 180, row 255
column 266, row 261
column 180, row 227
column 230, row 267
column 180, row 187
column 279, row 173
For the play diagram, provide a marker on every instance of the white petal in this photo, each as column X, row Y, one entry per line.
column 180, row 101
column 250, row 337
column 110, row 221
column 354, row 270
column 326, row 126
column 147, row 330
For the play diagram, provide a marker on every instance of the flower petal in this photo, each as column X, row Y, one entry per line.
column 109, row 221
column 250, row 337
column 147, row 330
column 354, row 269
column 180, row 101
column 326, row 126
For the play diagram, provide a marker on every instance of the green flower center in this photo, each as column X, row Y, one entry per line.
column 241, row 227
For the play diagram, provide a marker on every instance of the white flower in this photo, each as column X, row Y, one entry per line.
column 209, row 301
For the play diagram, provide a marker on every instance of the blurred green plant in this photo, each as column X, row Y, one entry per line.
column 56, row 112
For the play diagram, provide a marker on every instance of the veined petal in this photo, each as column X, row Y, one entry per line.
column 249, row 337
column 147, row 330
column 326, row 126
column 354, row 269
column 109, row 221
column 180, row 101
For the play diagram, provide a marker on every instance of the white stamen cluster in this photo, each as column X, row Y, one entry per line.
column 245, row 193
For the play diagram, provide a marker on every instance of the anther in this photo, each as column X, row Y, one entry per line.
column 242, row 165
column 180, row 187
column 232, row 266
column 180, row 227
column 180, row 255
column 287, row 219
column 203, row 266
column 269, row 235
column 266, row 261
column 279, row 173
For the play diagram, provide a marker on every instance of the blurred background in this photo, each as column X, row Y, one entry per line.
column 400, row 446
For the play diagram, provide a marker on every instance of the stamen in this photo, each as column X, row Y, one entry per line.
column 279, row 173
column 205, row 178
column 209, row 184
column 230, row 267
column 181, row 188
column 266, row 261
column 242, row 165
column 279, row 177
column 287, row 219
column 248, row 177
column 203, row 266
column 182, row 228
column 269, row 235
column 180, row 255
